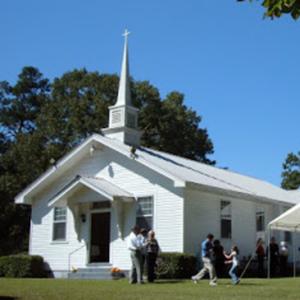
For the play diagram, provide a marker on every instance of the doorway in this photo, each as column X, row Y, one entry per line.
column 100, row 237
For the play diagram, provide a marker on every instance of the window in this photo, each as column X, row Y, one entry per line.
column 225, row 219
column 287, row 236
column 144, row 212
column 59, row 224
column 260, row 219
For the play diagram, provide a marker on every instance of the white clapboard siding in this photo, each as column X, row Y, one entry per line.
column 202, row 216
column 128, row 175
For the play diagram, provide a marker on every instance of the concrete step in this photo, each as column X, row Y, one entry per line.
column 90, row 276
column 102, row 272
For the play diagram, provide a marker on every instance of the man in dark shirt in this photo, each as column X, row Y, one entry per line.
column 274, row 255
column 218, row 258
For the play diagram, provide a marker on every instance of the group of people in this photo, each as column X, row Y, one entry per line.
column 214, row 259
column 278, row 257
column 144, row 249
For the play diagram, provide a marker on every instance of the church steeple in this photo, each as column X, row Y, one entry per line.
column 124, row 95
column 123, row 117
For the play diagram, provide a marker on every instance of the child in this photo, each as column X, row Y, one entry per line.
column 233, row 258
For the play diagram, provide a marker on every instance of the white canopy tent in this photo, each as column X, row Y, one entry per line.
column 288, row 221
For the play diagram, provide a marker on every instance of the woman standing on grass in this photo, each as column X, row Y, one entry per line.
column 152, row 249
column 233, row 258
column 260, row 252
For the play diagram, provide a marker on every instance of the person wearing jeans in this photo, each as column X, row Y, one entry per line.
column 208, row 267
column 233, row 258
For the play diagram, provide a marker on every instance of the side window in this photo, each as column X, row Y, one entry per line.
column 260, row 219
column 144, row 212
column 59, row 223
column 225, row 219
column 287, row 236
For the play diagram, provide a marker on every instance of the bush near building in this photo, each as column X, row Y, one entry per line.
column 22, row 266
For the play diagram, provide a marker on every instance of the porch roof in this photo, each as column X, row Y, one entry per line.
column 99, row 185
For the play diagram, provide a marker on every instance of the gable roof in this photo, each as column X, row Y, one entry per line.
column 99, row 185
column 183, row 172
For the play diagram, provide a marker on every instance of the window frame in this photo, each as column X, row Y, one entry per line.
column 149, row 215
column 287, row 237
column 54, row 222
column 260, row 213
column 225, row 217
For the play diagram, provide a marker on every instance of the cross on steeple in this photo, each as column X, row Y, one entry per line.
column 126, row 33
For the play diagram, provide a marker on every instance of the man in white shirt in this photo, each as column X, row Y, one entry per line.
column 134, row 246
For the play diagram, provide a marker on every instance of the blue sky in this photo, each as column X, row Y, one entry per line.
column 240, row 72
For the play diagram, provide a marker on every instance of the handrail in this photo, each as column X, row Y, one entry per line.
column 70, row 254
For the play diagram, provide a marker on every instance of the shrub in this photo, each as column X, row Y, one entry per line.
column 22, row 266
column 176, row 265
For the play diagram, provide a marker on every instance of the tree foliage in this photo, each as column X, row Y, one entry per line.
column 21, row 104
column 42, row 120
column 276, row 8
column 291, row 172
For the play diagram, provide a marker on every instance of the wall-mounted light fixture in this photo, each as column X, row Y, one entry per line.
column 83, row 218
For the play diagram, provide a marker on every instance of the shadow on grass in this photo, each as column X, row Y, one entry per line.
column 242, row 283
column 251, row 283
column 7, row 298
column 165, row 281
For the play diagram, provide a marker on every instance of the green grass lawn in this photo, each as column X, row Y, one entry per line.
column 49, row 289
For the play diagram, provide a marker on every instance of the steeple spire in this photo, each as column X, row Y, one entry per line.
column 124, row 95
column 123, row 117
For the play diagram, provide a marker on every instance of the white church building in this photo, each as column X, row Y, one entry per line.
column 84, row 206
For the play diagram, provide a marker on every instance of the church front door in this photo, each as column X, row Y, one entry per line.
column 100, row 237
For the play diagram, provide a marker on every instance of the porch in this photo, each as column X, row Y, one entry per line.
column 99, row 209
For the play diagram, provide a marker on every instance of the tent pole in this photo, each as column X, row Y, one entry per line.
column 268, row 245
column 294, row 253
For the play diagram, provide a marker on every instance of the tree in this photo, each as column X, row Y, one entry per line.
column 276, row 8
column 179, row 130
column 291, row 172
column 146, row 97
column 78, row 107
column 21, row 104
column 20, row 152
